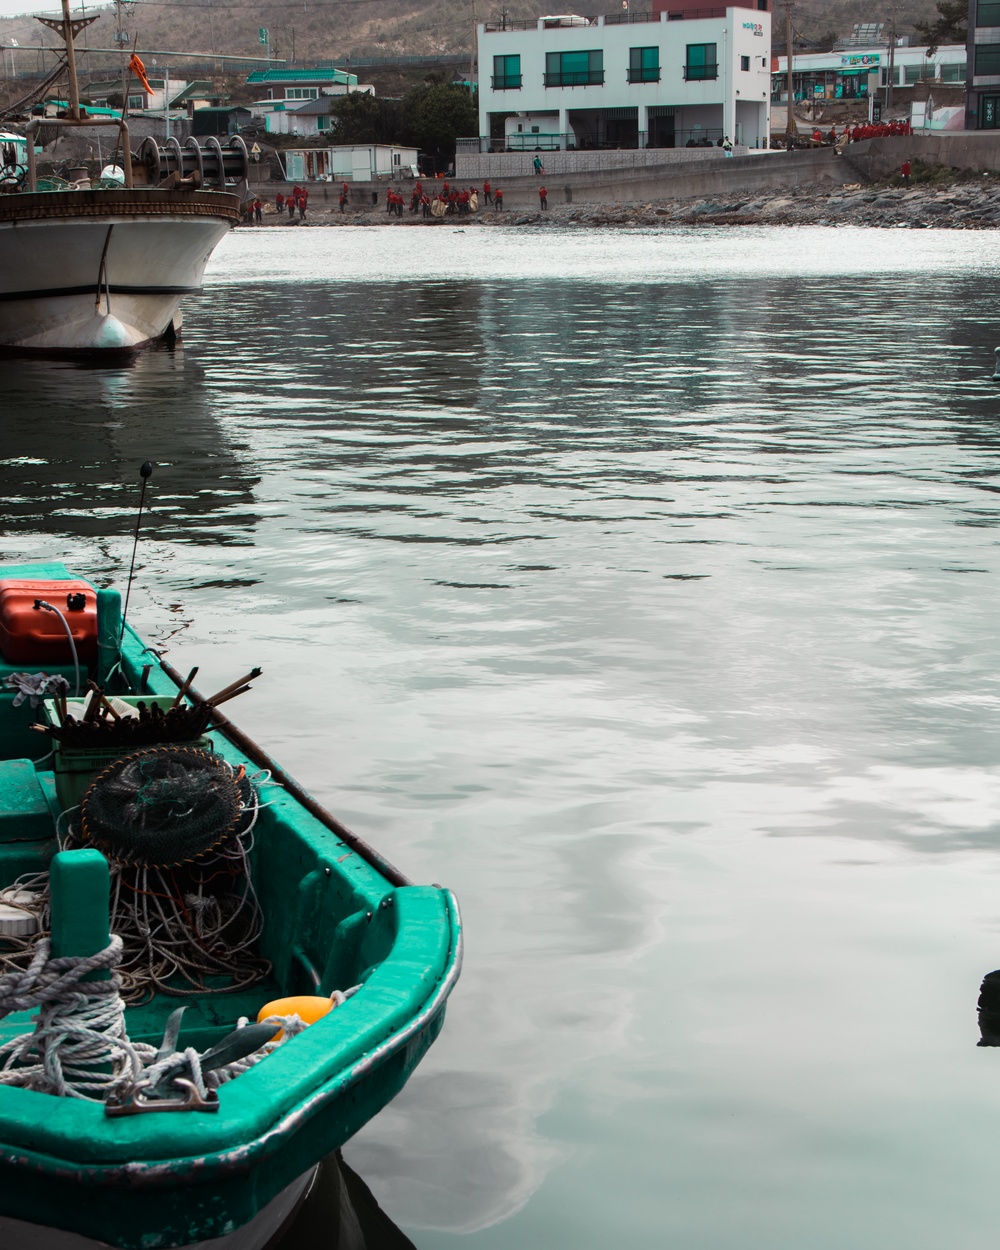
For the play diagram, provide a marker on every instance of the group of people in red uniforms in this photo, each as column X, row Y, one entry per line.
column 457, row 202
column 870, row 130
column 296, row 200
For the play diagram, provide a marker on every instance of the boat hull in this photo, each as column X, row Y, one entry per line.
column 103, row 272
column 260, row 1233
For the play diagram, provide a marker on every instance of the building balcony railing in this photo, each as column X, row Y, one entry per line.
column 693, row 15
column 646, row 74
column 708, row 141
column 510, row 24
column 626, row 19
column 576, row 78
column 505, row 82
column 700, row 73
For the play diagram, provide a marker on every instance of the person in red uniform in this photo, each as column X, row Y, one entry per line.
column 487, row 192
column 303, row 202
column 498, row 200
column 279, row 202
column 904, row 170
column 343, row 200
column 419, row 188
column 543, row 197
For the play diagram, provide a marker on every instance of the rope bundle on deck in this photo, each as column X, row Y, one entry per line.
column 79, row 1047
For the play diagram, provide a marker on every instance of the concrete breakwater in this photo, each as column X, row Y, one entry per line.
column 973, row 205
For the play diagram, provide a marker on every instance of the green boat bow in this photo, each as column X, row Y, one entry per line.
column 334, row 916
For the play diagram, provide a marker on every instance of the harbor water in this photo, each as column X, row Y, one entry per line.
column 642, row 588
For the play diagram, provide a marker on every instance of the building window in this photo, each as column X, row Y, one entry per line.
column 702, row 61
column 988, row 13
column 302, row 93
column 762, row 5
column 644, row 65
column 987, row 59
column 137, row 101
column 953, row 73
column 506, row 73
column 574, row 69
column 744, row 62
column 323, row 121
column 917, row 73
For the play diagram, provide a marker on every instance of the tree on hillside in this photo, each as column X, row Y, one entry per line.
column 437, row 114
column 950, row 26
column 360, row 118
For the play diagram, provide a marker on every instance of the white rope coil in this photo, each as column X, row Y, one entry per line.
column 79, row 1047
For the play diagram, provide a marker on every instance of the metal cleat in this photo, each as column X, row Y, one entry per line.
column 132, row 1101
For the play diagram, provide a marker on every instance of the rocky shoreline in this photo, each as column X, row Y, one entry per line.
column 956, row 206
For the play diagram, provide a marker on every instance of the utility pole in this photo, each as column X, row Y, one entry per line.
column 472, row 58
column 891, row 72
column 791, row 129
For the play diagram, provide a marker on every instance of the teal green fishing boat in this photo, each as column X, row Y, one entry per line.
column 153, row 857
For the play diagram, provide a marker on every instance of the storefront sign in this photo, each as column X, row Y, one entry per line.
column 756, row 27
column 862, row 58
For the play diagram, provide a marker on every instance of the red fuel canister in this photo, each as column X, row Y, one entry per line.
column 30, row 635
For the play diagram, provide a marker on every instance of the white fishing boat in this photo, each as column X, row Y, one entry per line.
column 97, row 268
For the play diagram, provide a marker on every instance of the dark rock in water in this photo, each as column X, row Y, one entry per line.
column 989, row 1010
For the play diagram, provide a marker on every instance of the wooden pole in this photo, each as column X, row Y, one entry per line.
column 791, row 128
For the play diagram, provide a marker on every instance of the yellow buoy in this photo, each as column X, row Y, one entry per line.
column 308, row 1007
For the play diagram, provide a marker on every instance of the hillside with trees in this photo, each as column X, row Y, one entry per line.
column 322, row 30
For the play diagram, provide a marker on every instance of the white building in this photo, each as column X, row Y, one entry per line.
column 285, row 90
column 666, row 78
column 372, row 162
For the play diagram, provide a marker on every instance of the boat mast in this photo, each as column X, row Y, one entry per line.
column 69, row 28
column 74, row 86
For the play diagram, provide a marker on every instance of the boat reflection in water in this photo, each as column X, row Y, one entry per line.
column 340, row 1213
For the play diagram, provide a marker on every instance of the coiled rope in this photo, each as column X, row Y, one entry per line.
column 79, row 1047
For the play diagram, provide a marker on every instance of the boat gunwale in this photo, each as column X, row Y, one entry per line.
column 240, row 1159
column 129, row 203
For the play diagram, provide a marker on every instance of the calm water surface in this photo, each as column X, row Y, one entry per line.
column 643, row 589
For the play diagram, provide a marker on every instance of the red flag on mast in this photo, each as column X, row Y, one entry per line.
column 137, row 68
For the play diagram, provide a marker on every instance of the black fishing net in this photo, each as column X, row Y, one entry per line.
column 163, row 807
column 177, row 827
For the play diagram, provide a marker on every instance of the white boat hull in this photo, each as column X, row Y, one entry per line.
column 103, row 271
column 257, row 1235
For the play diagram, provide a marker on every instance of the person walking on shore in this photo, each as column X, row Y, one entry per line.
column 258, row 211
column 279, row 203
column 487, row 192
column 539, row 168
column 498, row 200
column 343, row 200
column 905, row 171
column 727, row 146
column 543, row 198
